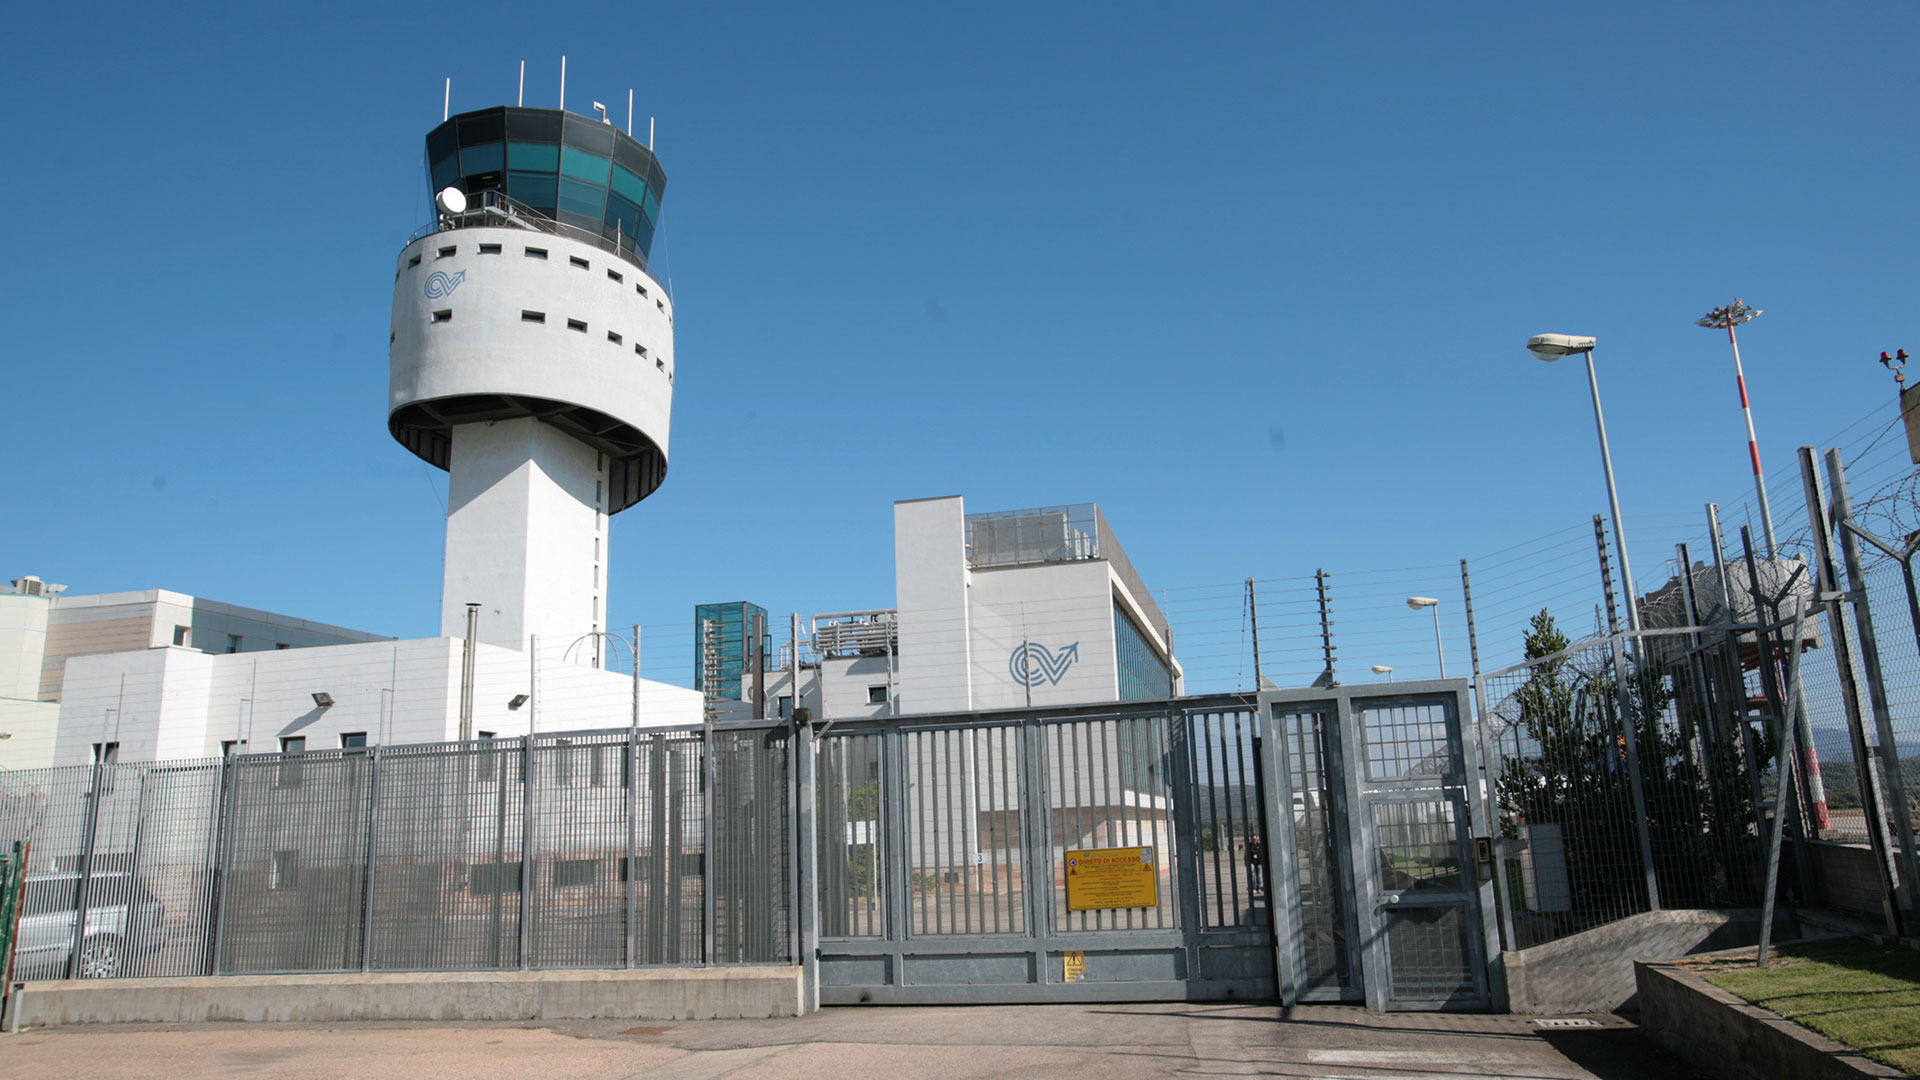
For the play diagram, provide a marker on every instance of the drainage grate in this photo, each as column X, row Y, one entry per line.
column 1565, row 1022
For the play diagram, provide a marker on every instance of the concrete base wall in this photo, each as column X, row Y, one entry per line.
column 1845, row 878
column 1593, row 971
column 645, row 994
column 1732, row 1040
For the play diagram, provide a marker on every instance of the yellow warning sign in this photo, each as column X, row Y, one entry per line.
column 1076, row 966
column 1112, row 878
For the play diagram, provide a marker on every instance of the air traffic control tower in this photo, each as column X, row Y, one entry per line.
column 532, row 358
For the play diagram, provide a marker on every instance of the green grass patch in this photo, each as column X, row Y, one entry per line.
column 1858, row 993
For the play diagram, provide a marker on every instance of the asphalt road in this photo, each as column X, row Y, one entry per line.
column 1101, row 1042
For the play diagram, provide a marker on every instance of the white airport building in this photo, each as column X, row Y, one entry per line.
column 993, row 610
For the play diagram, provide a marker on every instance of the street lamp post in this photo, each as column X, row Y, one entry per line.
column 1439, row 648
column 1384, row 669
column 1551, row 347
column 1726, row 318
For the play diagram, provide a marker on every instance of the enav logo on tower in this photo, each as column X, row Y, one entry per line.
column 440, row 283
column 1032, row 663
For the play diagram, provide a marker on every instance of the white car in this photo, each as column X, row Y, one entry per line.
column 123, row 920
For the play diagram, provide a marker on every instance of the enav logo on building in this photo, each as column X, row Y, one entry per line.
column 440, row 283
column 1032, row 663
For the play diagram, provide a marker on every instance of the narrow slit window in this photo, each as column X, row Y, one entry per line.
column 615, row 275
column 443, row 315
column 661, row 304
column 576, row 260
column 661, row 363
column 447, row 252
column 640, row 349
column 533, row 316
column 536, row 253
column 576, row 324
column 489, row 249
column 415, row 261
column 641, row 289
column 613, row 337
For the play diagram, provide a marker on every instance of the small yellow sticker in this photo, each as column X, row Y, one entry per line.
column 1076, row 966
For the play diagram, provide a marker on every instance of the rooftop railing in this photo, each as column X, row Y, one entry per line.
column 1054, row 534
column 493, row 208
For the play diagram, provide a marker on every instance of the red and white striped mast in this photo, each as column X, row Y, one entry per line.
column 1726, row 318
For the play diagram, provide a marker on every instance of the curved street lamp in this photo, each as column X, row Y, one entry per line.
column 1551, row 347
column 1418, row 602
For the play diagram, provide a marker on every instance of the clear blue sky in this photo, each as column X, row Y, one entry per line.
column 1256, row 278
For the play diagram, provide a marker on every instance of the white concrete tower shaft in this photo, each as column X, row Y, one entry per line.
column 532, row 358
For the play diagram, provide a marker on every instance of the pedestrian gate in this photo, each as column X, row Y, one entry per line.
column 948, row 853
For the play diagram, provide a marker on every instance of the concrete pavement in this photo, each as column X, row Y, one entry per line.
column 1102, row 1042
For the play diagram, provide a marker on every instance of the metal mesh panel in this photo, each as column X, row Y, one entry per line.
column 1108, row 786
column 850, row 830
column 1419, row 845
column 753, row 914
column 1231, row 850
column 1323, row 901
column 1428, row 954
column 140, row 838
column 577, row 828
column 296, row 863
column 963, row 794
column 1575, row 843
column 669, row 861
column 1407, row 741
column 446, row 858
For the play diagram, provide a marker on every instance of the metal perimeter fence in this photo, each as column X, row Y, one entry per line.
column 1606, row 811
column 600, row 849
column 1636, row 771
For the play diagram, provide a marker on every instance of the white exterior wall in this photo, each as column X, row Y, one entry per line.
column 486, row 348
column 1064, row 608
column 930, row 593
column 526, row 518
column 30, row 727
column 847, row 680
column 23, row 645
column 181, row 703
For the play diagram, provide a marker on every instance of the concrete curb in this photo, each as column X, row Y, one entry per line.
column 1730, row 1039
column 639, row 994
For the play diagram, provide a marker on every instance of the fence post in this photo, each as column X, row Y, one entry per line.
column 373, row 835
column 633, row 817
column 1766, row 613
column 1827, row 595
column 220, row 863
column 1630, row 732
column 86, row 865
column 807, row 873
column 1734, row 682
column 707, row 777
column 529, row 770
column 1896, row 787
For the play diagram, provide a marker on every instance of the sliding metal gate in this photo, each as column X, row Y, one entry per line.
column 1374, row 799
column 942, row 852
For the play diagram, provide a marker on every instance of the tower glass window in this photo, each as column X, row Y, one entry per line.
column 576, row 170
column 1143, row 675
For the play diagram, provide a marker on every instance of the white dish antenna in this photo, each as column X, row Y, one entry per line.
column 451, row 200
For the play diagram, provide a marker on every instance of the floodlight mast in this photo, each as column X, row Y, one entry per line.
column 1726, row 318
